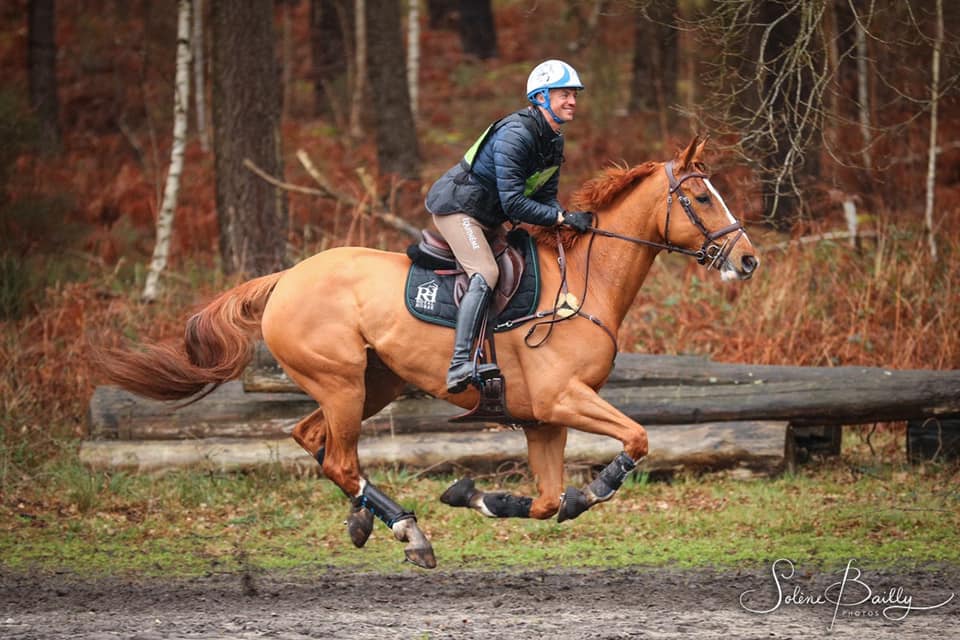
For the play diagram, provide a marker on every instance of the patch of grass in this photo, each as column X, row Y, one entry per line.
column 191, row 523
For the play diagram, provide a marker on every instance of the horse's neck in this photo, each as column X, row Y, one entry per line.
column 618, row 268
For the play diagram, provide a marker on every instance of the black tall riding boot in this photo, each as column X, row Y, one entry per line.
column 473, row 308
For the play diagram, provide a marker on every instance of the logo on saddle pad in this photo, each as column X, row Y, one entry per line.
column 426, row 295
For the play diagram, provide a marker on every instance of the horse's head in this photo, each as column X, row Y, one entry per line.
column 703, row 227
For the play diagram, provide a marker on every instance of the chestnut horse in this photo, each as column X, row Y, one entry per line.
column 337, row 324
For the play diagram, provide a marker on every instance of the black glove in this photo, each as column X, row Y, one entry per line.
column 579, row 220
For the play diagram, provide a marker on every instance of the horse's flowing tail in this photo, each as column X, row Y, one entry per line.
column 217, row 346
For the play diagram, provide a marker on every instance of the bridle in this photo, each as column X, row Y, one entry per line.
column 711, row 254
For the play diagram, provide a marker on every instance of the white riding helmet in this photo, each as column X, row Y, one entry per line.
column 552, row 74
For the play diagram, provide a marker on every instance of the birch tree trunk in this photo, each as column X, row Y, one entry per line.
column 863, row 94
column 360, row 68
column 198, row 76
column 932, row 154
column 413, row 55
column 181, row 97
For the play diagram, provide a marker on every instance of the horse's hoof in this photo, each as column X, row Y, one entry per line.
column 572, row 504
column 419, row 551
column 459, row 493
column 421, row 556
column 360, row 526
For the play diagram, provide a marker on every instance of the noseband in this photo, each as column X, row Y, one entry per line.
column 711, row 254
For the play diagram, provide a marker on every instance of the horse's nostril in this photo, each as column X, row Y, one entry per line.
column 749, row 263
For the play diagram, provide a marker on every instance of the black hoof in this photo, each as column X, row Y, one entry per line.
column 459, row 493
column 359, row 526
column 573, row 503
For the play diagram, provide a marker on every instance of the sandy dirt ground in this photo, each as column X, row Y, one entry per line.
column 555, row 604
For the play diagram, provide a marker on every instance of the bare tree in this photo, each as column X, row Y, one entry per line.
column 286, row 57
column 791, row 79
column 359, row 74
column 766, row 91
column 863, row 93
column 331, row 47
column 932, row 154
column 653, row 83
column 413, row 54
column 42, row 64
column 181, row 101
column 442, row 14
column 478, row 33
column 199, row 76
column 773, row 80
column 246, row 118
column 397, row 151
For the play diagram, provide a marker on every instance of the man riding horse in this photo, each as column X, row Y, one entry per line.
column 337, row 327
column 511, row 173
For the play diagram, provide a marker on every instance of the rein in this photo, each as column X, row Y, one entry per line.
column 711, row 254
column 562, row 309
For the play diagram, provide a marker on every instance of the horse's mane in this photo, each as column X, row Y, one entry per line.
column 598, row 192
column 594, row 194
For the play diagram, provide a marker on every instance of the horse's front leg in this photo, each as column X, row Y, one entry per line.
column 545, row 445
column 581, row 408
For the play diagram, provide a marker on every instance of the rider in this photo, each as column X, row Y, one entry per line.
column 510, row 173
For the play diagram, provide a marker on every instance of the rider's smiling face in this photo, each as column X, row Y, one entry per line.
column 564, row 103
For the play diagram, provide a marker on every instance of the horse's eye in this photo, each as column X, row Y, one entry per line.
column 703, row 198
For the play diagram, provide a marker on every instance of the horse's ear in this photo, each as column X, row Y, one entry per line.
column 689, row 155
column 698, row 155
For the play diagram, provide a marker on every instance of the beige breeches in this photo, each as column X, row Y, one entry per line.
column 469, row 245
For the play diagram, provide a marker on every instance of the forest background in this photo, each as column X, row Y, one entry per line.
column 821, row 115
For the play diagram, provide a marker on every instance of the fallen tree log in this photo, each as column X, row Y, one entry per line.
column 900, row 395
column 758, row 447
column 633, row 370
column 264, row 374
column 117, row 414
column 229, row 412
column 861, row 396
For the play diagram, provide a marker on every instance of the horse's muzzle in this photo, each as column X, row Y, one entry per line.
column 739, row 267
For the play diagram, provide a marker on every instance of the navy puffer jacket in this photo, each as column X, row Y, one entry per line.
column 497, row 187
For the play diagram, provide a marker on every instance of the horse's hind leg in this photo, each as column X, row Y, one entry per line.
column 331, row 434
column 381, row 385
column 311, row 434
column 545, row 445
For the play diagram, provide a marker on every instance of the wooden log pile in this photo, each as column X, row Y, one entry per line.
column 700, row 415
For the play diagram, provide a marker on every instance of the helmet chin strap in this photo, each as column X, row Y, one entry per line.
column 546, row 105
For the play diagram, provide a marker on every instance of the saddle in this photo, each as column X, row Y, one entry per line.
column 433, row 252
column 436, row 284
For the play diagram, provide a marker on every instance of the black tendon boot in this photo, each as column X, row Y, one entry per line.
column 473, row 308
